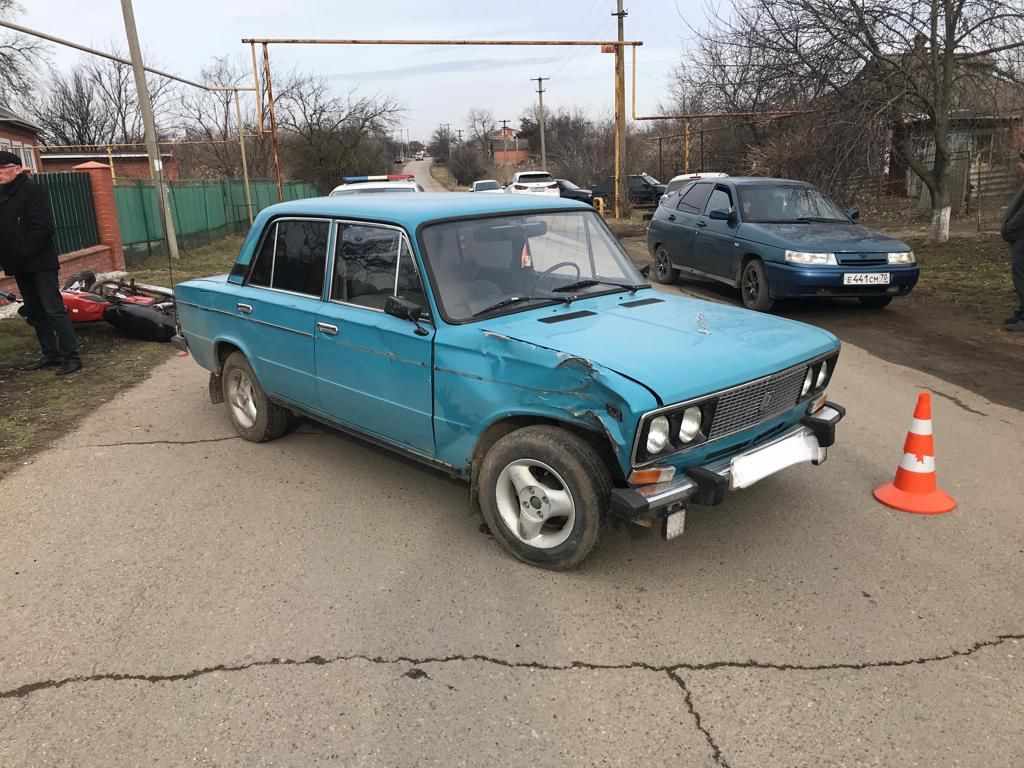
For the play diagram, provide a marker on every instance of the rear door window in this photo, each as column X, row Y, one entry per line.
column 300, row 256
column 692, row 200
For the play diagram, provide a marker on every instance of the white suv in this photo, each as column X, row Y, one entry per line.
column 533, row 183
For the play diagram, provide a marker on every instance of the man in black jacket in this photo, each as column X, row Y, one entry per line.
column 1012, row 232
column 27, row 252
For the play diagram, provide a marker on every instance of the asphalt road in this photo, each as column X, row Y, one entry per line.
column 171, row 594
column 421, row 170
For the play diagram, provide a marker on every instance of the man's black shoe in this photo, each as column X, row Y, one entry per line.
column 69, row 366
column 1019, row 314
column 43, row 362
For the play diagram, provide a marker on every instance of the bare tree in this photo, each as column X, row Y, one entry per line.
column 328, row 136
column 481, row 124
column 910, row 63
column 20, row 58
column 96, row 104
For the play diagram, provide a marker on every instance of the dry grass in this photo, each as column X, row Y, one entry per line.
column 970, row 274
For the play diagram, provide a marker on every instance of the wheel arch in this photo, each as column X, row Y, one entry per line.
column 600, row 441
column 748, row 257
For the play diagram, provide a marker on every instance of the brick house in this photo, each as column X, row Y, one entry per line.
column 126, row 165
column 506, row 148
column 20, row 136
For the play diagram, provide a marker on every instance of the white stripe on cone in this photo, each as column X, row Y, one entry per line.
column 921, row 426
column 910, row 463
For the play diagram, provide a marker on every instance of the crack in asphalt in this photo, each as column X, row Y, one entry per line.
column 28, row 688
column 957, row 402
column 416, row 673
column 716, row 751
column 125, row 443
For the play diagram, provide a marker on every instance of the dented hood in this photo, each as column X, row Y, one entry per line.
column 661, row 345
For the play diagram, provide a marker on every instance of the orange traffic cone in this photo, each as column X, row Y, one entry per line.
column 915, row 489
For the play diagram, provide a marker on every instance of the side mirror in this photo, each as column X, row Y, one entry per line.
column 721, row 214
column 645, row 270
column 403, row 309
column 853, row 214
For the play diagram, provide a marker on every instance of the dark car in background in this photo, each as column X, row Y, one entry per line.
column 775, row 239
column 642, row 189
column 569, row 190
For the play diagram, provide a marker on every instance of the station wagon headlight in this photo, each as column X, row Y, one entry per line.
column 808, row 381
column 822, row 376
column 689, row 425
column 657, row 435
column 808, row 257
column 902, row 257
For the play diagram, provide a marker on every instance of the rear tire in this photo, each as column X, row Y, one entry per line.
column 754, row 289
column 875, row 302
column 545, row 495
column 252, row 414
column 663, row 271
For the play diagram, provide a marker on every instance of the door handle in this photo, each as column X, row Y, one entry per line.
column 245, row 309
column 671, row 217
column 702, row 223
column 327, row 329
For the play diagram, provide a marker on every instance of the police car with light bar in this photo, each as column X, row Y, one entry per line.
column 398, row 182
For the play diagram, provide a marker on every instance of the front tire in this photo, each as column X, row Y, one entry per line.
column 875, row 302
column 663, row 271
column 754, row 289
column 252, row 414
column 545, row 495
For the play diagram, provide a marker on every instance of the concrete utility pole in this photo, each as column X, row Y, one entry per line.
column 149, row 125
column 540, row 98
column 504, row 138
column 620, row 111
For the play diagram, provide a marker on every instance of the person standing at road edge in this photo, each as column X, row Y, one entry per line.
column 28, row 253
column 1012, row 232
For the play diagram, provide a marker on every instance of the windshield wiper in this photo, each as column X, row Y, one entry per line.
column 821, row 220
column 591, row 281
column 516, row 299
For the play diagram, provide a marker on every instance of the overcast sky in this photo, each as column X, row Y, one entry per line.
column 435, row 84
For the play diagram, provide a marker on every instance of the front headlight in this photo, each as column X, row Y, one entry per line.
column 902, row 257
column 657, row 435
column 808, row 381
column 807, row 257
column 689, row 426
column 822, row 376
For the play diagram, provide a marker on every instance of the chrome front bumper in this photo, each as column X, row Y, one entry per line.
column 709, row 484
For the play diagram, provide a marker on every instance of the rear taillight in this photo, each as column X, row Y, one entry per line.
column 552, row 186
column 520, row 186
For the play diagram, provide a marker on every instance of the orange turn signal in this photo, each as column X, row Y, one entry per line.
column 652, row 475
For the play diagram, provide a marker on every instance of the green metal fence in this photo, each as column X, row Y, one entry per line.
column 73, row 211
column 204, row 210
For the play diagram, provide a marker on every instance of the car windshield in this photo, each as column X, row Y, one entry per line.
column 567, row 184
column 484, row 185
column 368, row 190
column 783, row 203
column 476, row 264
column 533, row 178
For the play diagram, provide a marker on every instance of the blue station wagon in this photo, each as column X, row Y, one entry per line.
column 776, row 239
column 509, row 341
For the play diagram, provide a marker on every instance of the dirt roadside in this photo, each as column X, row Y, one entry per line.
column 921, row 331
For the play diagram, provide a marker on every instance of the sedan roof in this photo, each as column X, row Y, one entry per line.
column 410, row 211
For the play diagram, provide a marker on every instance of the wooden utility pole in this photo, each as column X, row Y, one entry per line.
column 620, row 111
column 504, row 138
column 540, row 114
column 149, row 125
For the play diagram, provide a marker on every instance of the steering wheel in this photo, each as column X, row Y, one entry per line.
column 552, row 268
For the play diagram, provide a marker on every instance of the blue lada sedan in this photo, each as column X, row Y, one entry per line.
column 775, row 239
column 508, row 340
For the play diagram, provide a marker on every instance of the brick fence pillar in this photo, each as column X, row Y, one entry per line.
column 107, row 225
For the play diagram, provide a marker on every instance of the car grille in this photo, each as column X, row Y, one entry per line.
column 750, row 404
column 862, row 259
